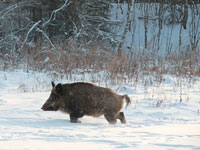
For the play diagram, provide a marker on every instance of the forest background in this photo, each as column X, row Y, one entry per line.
column 126, row 40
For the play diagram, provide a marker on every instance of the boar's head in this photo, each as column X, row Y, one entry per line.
column 54, row 101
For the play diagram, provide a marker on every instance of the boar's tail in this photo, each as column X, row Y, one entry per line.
column 128, row 100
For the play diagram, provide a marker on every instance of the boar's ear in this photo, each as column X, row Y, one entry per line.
column 53, row 84
column 59, row 88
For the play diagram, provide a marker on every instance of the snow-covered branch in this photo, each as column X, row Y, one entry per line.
column 7, row 10
column 39, row 30
column 53, row 14
column 29, row 31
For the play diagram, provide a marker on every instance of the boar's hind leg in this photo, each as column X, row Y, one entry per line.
column 110, row 118
column 74, row 117
column 122, row 118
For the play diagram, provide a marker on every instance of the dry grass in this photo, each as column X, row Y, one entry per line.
column 65, row 60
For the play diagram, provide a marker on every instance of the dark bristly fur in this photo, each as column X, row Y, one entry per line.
column 79, row 99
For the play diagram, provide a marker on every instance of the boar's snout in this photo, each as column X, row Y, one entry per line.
column 44, row 107
column 50, row 106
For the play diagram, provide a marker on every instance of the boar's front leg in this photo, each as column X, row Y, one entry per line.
column 74, row 117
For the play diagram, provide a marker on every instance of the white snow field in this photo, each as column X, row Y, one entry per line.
column 161, row 117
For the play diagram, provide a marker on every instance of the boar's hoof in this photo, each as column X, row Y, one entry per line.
column 122, row 118
column 75, row 120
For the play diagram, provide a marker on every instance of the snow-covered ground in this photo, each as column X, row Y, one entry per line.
column 155, row 120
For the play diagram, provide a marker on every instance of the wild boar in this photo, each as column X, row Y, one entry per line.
column 79, row 99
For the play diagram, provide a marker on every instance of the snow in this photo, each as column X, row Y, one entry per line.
column 155, row 120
